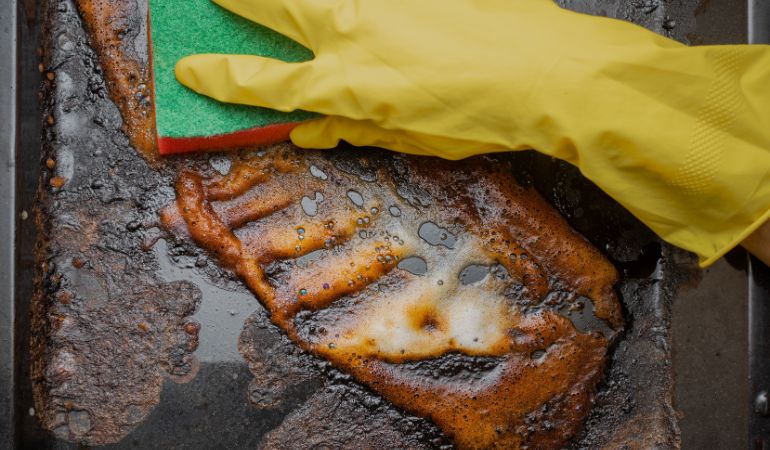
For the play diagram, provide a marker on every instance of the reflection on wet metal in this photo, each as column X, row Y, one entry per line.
column 414, row 265
column 435, row 235
column 304, row 260
column 473, row 273
column 356, row 198
column 310, row 205
column 318, row 173
column 221, row 164
column 538, row 355
column 584, row 318
column 221, row 313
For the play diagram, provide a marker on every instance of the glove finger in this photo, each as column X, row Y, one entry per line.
column 248, row 80
column 293, row 18
column 327, row 132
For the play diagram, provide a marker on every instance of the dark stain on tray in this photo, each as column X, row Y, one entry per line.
column 114, row 342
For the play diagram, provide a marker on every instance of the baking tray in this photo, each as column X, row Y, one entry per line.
column 651, row 270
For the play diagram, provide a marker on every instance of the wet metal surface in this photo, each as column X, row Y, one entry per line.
column 221, row 315
column 436, row 235
column 759, row 355
column 710, row 359
column 473, row 273
column 414, row 265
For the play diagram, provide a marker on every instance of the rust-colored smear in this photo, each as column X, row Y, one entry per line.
column 127, row 76
column 57, row 182
column 342, row 296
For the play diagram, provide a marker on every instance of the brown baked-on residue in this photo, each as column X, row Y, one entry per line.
column 126, row 69
column 446, row 288
column 410, row 263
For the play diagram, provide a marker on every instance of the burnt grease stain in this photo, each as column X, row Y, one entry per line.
column 644, row 265
column 414, row 265
column 435, row 235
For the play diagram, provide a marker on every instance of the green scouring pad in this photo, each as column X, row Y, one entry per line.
column 187, row 121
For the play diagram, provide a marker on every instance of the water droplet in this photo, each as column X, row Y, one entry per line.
column 414, row 265
column 440, row 282
column 306, row 259
column 310, row 205
column 473, row 273
column 435, row 235
column 221, row 164
column 303, row 291
column 584, row 319
column 300, row 231
column 394, row 211
column 318, row 173
column 362, row 234
column 356, row 198
column 326, row 285
column 360, row 221
column 374, row 210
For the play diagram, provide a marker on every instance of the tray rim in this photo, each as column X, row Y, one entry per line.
column 8, row 152
column 758, row 22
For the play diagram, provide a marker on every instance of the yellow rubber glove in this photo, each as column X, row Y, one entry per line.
column 679, row 135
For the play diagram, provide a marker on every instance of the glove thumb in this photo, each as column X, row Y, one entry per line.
column 327, row 132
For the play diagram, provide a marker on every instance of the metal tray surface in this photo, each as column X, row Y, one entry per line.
column 211, row 411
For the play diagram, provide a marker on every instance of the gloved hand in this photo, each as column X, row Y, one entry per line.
column 679, row 135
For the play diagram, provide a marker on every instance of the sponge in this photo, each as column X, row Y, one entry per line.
column 187, row 121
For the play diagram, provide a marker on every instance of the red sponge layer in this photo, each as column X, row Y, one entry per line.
column 250, row 137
